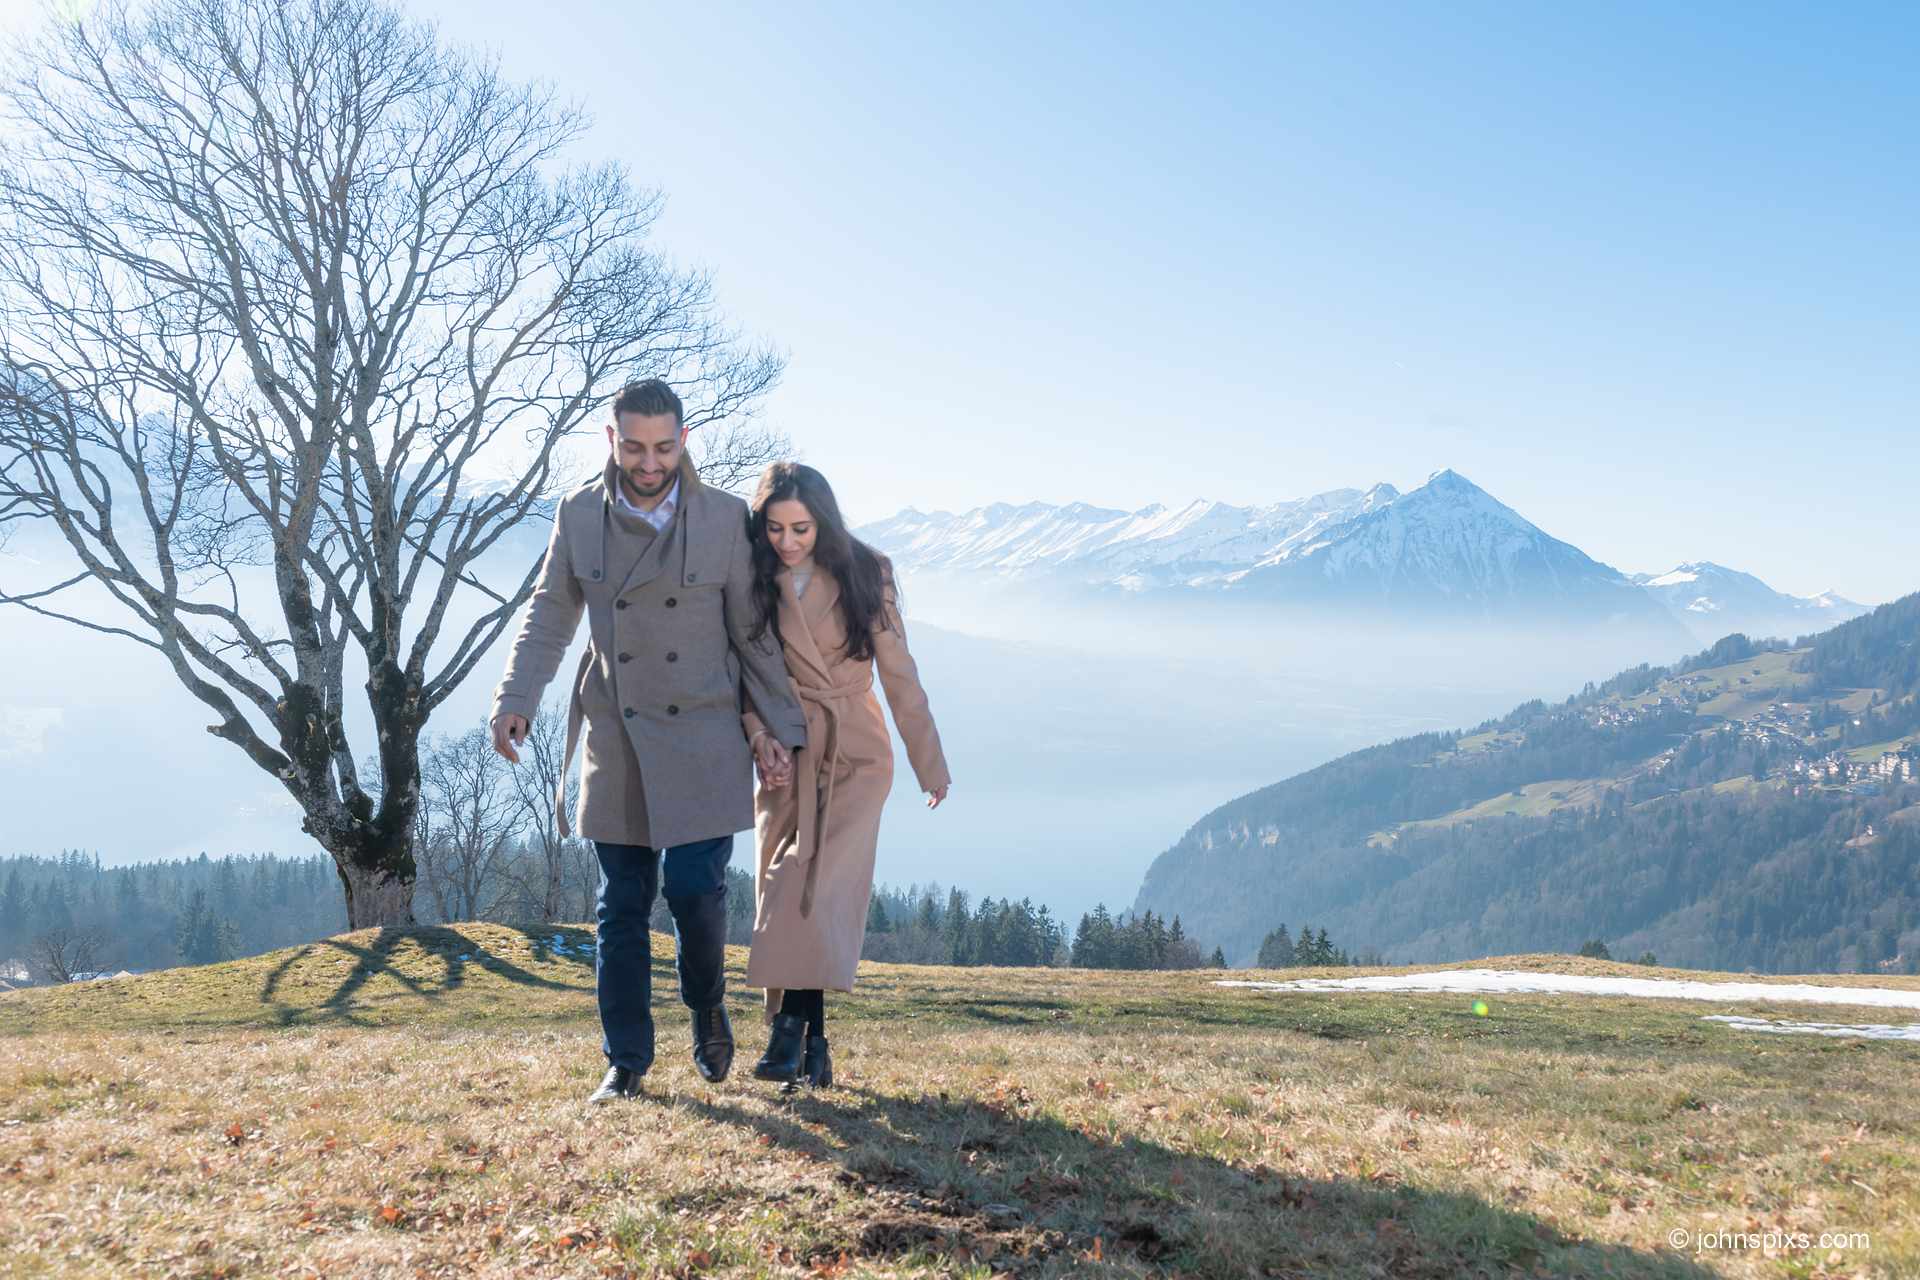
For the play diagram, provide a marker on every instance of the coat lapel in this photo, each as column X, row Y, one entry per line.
column 668, row 546
column 799, row 616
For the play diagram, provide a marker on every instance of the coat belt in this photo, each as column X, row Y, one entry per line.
column 822, row 709
column 575, row 714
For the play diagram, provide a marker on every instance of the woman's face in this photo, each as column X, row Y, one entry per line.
column 791, row 531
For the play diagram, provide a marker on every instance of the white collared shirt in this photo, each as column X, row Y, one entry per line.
column 662, row 510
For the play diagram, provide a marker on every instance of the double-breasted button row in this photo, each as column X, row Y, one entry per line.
column 630, row 713
column 621, row 604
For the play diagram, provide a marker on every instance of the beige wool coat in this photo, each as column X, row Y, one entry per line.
column 670, row 666
column 818, row 836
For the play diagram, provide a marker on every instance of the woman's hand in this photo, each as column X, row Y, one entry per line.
column 939, row 793
column 508, row 733
column 773, row 761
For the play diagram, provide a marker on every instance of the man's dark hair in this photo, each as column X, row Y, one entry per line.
column 652, row 397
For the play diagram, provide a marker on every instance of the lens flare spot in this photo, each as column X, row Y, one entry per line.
column 1480, row 1009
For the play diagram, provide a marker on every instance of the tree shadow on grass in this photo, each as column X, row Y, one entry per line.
column 453, row 952
column 999, row 1183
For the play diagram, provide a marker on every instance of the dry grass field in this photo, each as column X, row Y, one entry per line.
column 409, row 1103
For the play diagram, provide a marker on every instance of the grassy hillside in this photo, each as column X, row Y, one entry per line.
column 409, row 1103
column 1668, row 809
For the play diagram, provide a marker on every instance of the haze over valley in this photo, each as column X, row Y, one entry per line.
column 1101, row 677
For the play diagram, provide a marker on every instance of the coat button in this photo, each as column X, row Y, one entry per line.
column 673, row 711
column 596, row 575
column 692, row 578
column 671, row 602
column 626, row 657
column 673, row 657
column 619, row 604
column 628, row 713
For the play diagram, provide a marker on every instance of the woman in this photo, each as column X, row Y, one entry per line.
column 831, row 601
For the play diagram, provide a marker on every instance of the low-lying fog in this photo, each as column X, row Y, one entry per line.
column 1085, row 734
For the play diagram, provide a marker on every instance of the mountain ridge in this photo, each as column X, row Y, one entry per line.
column 1446, row 547
column 1757, row 805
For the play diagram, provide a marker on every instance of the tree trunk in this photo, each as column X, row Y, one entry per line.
column 375, row 896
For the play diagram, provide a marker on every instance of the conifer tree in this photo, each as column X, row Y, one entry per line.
column 1277, row 950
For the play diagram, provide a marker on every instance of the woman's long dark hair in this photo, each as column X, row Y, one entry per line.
column 865, row 577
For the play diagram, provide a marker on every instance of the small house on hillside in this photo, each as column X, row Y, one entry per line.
column 1902, row 764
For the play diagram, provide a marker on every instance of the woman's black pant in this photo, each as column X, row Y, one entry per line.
column 810, row 1004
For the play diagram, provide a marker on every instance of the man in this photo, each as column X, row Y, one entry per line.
column 660, row 565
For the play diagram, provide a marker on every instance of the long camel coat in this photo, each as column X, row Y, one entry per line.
column 660, row 689
column 817, row 836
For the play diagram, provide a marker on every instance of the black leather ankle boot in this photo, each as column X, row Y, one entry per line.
column 785, row 1047
column 817, row 1067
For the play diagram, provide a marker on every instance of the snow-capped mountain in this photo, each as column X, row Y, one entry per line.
column 1448, row 546
column 1447, row 549
column 1712, row 600
column 1200, row 544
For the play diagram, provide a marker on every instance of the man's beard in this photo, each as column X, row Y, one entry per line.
column 633, row 482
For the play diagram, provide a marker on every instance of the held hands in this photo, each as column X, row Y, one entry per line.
column 774, row 761
column 508, row 733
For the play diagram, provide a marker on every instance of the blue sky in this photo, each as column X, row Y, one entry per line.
column 1650, row 274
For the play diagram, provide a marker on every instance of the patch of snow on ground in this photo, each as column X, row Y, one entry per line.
column 1864, row 1031
column 1509, row 982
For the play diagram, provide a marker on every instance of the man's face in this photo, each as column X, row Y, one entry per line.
column 646, row 448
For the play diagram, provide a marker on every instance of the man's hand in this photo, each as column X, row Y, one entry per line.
column 935, row 796
column 774, row 761
column 509, row 732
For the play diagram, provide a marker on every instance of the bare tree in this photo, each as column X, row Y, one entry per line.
column 732, row 455
column 62, row 953
column 475, row 814
column 552, row 868
column 279, row 280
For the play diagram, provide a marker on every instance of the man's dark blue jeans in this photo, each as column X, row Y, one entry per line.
column 696, row 893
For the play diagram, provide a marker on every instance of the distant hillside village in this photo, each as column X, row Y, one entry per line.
column 1800, row 728
column 1779, row 728
column 1900, row 765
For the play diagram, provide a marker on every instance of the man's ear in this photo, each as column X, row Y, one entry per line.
column 684, row 433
